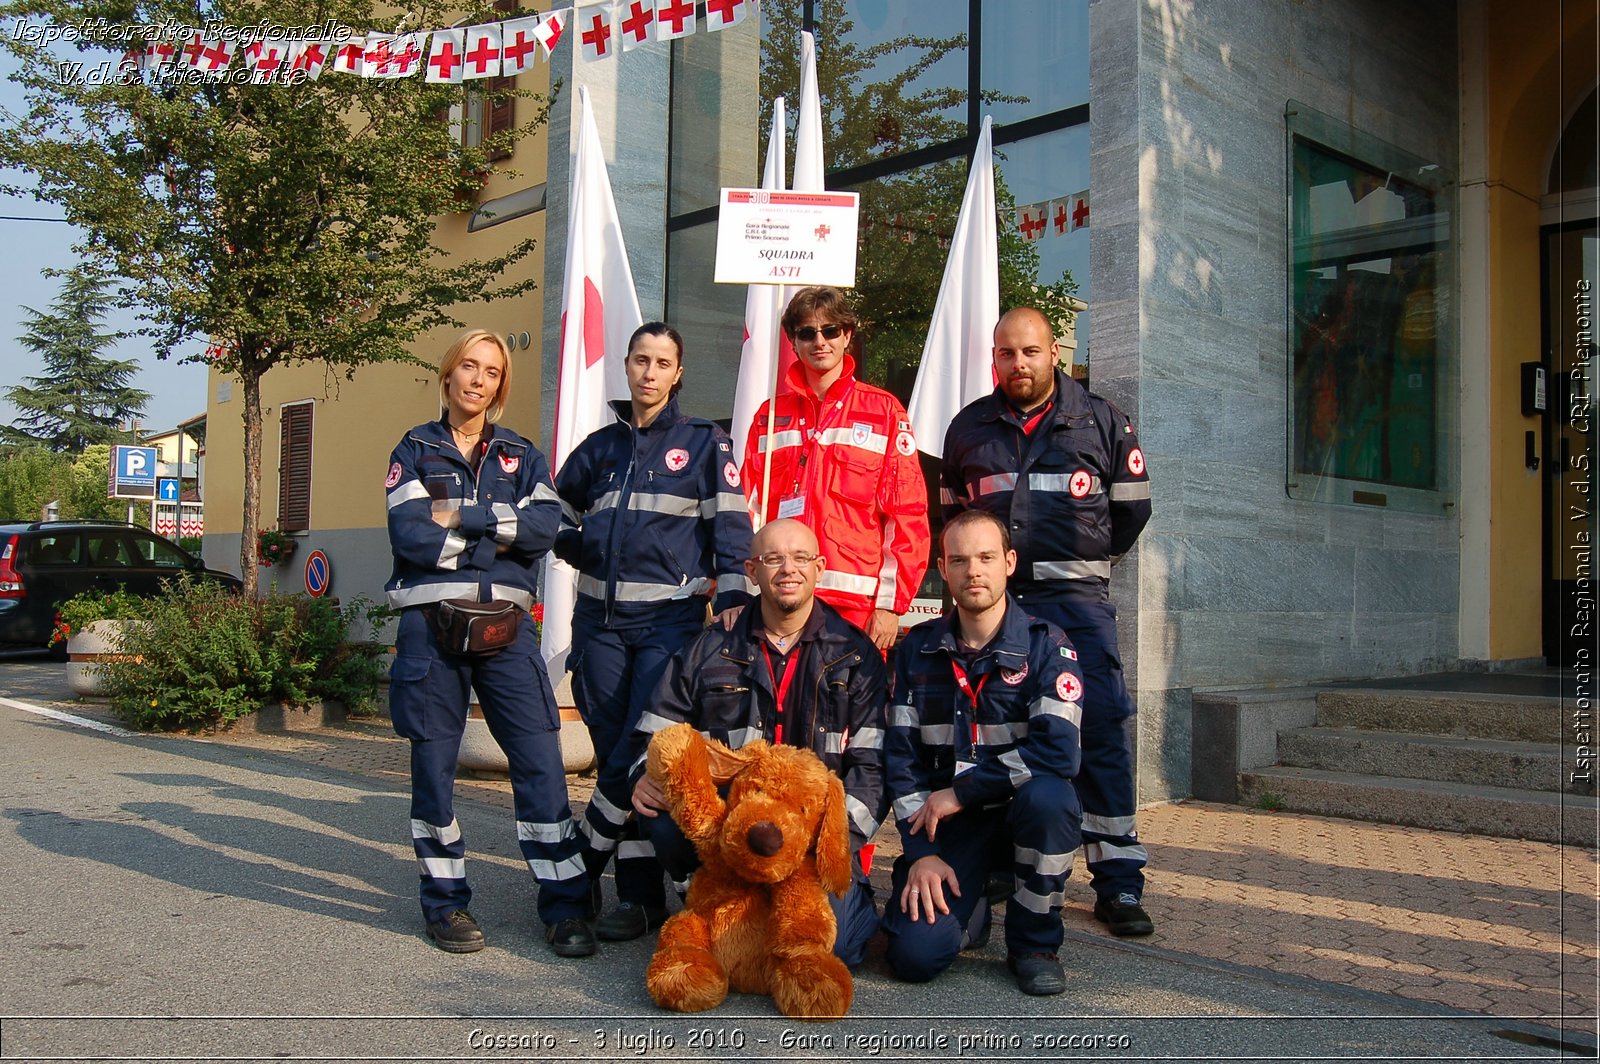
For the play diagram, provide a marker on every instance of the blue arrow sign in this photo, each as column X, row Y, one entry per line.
column 168, row 489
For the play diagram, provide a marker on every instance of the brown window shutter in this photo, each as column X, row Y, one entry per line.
column 502, row 113
column 294, row 469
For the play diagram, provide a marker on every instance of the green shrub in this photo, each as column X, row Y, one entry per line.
column 86, row 607
column 203, row 655
column 191, row 544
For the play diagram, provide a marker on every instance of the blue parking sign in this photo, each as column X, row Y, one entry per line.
column 133, row 472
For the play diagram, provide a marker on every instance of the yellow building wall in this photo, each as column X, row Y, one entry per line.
column 357, row 422
column 1527, row 107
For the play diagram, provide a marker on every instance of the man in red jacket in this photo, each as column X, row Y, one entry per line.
column 844, row 462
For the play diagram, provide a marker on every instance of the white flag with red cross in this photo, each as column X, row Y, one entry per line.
column 1080, row 210
column 637, row 23
column 190, row 48
column 161, row 56
column 595, row 34
column 1031, row 221
column 674, row 19
column 758, row 358
column 266, row 60
column 519, row 43
column 349, row 55
column 1060, row 215
column 721, row 14
column 445, row 57
column 308, row 58
column 214, row 55
column 410, row 52
column 599, row 311
column 378, row 60
column 482, row 56
column 549, row 30
column 956, row 365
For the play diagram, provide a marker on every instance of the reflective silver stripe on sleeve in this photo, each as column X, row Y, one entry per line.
column 903, row 717
column 908, row 806
column 1095, row 852
column 780, row 440
column 1002, row 734
column 451, row 832
column 937, row 734
column 726, row 502
column 1039, row 903
column 411, row 489
column 733, row 582
column 742, row 737
column 875, row 442
column 1050, row 707
column 505, row 523
column 417, row 595
column 654, row 722
column 860, row 816
column 635, row 591
column 571, row 868
column 534, row 831
column 1020, row 773
column 1073, row 570
column 455, row 544
column 663, row 503
column 1130, row 489
column 443, row 867
column 570, row 515
column 992, row 485
column 833, row 742
column 605, row 502
column 541, row 493
column 1047, row 864
column 1108, row 825
column 866, row 739
column 1061, row 482
column 889, row 575
column 838, row 580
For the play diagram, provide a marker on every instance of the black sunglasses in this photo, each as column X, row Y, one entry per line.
column 806, row 334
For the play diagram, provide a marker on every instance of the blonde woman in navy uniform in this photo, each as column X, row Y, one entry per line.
column 472, row 512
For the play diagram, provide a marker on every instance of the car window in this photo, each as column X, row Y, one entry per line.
column 59, row 548
column 108, row 549
column 155, row 551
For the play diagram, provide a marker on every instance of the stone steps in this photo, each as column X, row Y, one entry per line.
column 1506, row 812
column 1449, row 759
column 1528, row 719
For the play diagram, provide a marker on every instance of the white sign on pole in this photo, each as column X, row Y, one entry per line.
column 765, row 236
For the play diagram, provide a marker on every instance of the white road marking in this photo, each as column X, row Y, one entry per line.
column 68, row 718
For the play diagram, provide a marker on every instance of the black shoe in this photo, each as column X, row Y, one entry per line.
column 570, row 938
column 458, row 932
column 1038, row 974
column 1123, row 915
column 629, row 921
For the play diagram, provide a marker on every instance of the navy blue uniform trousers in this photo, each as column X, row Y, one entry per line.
column 428, row 695
column 1041, row 824
column 614, row 675
column 1105, row 783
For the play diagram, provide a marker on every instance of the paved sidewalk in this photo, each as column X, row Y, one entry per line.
column 1490, row 926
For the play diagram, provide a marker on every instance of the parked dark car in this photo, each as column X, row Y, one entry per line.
column 45, row 563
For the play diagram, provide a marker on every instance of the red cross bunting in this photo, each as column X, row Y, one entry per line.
column 550, row 32
column 1080, row 214
column 677, row 12
column 379, row 57
column 445, row 60
column 407, row 60
column 194, row 50
column 516, row 52
column 311, row 58
column 1061, row 218
column 637, row 24
column 216, row 55
column 267, row 60
column 724, row 11
column 1031, row 225
column 483, row 53
column 349, row 56
column 598, row 35
column 163, row 52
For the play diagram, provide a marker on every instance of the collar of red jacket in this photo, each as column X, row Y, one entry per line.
column 798, row 385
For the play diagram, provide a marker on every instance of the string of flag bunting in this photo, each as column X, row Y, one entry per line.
column 454, row 55
column 1056, row 217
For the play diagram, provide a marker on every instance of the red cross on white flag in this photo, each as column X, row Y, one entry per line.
column 720, row 14
column 265, row 59
column 307, row 58
column 215, row 55
column 444, row 57
column 1060, row 215
column 483, row 52
column 194, row 45
column 1080, row 210
column 348, row 54
column 594, row 30
column 160, row 55
column 549, row 31
column 519, row 43
column 638, row 23
column 1031, row 221
column 378, row 59
column 408, row 54
column 674, row 19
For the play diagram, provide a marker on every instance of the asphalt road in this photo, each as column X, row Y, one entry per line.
column 173, row 898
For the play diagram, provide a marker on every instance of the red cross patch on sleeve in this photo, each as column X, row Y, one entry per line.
column 394, row 476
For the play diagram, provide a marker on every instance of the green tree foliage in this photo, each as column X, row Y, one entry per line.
column 31, row 477
column 86, row 489
column 82, row 397
column 284, row 224
column 873, row 107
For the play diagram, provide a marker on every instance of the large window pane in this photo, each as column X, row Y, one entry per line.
column 714, row 91
column 1036, row 55
column 711, row 318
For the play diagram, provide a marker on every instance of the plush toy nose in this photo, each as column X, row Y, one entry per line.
column 765, row 838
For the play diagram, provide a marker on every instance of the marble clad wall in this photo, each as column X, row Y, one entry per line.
column 1234, row 584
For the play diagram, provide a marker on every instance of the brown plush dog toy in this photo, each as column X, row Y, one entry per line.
column 757, row 918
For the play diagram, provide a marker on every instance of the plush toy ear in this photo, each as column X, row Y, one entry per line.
column 833, row 842
column 725, row 763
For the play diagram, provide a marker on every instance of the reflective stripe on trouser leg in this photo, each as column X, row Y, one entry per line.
column 918, row 951
column 520, row 709
column 639, row 879
column 1042, row 820
column 435, row 835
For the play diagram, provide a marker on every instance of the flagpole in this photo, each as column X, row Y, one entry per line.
column 766, row 464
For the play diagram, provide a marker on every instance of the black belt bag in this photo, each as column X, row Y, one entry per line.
column 476, row 629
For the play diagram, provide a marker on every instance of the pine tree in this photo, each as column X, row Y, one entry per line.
column 82, row 397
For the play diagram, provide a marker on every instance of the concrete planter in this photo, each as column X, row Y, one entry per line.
column 88, row 648
column 481, row 754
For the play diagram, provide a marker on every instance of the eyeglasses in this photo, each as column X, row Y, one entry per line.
column 778, row 561
column 806, row 334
